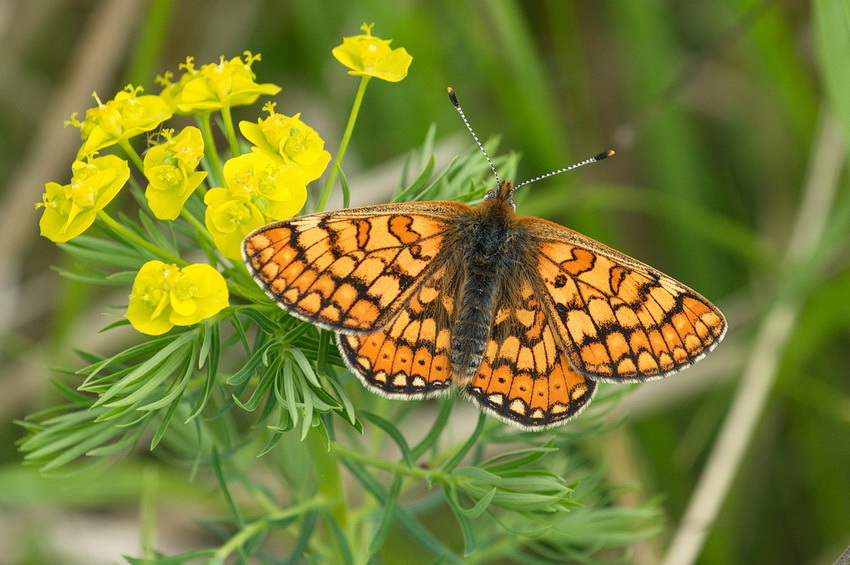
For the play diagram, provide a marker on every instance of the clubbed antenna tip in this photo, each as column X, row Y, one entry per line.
column 453, row 96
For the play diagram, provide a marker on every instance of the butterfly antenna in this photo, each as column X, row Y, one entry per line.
column 453, row 98
column 603, row 155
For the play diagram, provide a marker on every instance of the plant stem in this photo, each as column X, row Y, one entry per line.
column 253, row 528
column 329, row 482
column 230, row 132
column 196, row 223
column 131, row 153
column 429, row 475
column 209, row 148
column 329, row 479
column 346, row 137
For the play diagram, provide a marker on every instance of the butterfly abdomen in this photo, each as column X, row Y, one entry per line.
column 488, row 253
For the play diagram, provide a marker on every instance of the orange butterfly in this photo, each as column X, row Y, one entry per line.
column 523, row 314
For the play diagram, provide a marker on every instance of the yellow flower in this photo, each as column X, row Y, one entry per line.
column 259, row 189
column 70, row 209
column 289, row 139
column 125, row 116
column 372, row 56
column 165, row 296
column 215, row 85
column 170, row 170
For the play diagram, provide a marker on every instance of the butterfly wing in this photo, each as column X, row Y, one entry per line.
column 409, row 357
column 350, row 270
column 620, row 320
column 525, row 377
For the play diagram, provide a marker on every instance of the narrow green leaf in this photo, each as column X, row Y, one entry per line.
column 466, row 529
column 249, row 369
column 305, row 366
column 344, row 550
column 430, row 439
column 395, row 434
column 469, row 444
column 290, row 393
column 388, row 517
column 418, row 184
column 346, row 189
column 404, row 519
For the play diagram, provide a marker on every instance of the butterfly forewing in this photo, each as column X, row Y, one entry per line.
column 349, row 270
column 619, row 318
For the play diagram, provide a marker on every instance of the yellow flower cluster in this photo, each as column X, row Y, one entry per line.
column 214, row 86
column 165, row 296
column 266, row 184
column 170, row 170
column 125, row 116
column 70, row 209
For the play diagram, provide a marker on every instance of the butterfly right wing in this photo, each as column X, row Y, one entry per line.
column 619, row 319
column 351, row 270
column 525, row 377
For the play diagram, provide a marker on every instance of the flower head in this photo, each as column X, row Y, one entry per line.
column 371, row 56
column 165, row 296
column 170, row 170
column 259, row 189
column 125, row 116
column 290, row 140
column 70, row 209
column 215, row 85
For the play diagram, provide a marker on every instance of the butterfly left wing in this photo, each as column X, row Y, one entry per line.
column 525, row 377
column 620, row 320
column 350, row 270
column 410, row 356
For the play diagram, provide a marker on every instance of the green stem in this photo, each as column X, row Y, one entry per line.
column 230, row 132
column 150, row 493
column 209, row 148
column 131, row 153
column 329, row 479
column 346, row 137
column 429, row 475
column 254, row 528
column 144, row 244
column 198, row 225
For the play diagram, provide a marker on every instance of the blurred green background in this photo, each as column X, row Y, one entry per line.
column 728, row 119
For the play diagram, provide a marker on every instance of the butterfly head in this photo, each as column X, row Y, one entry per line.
column 505, row 193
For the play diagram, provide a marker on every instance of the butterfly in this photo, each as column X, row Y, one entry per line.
column 523, row 315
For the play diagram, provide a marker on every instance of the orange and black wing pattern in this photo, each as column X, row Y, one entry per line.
column 620, row 320
column 525, row 377
column 352, row 270
column 410, row 356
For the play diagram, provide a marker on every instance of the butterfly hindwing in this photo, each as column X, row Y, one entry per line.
column 349, row 270
column 620, row 319
column 410, row 356
column 525, row 377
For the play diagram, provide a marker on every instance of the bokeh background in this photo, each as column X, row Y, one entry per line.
column 729, row 119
